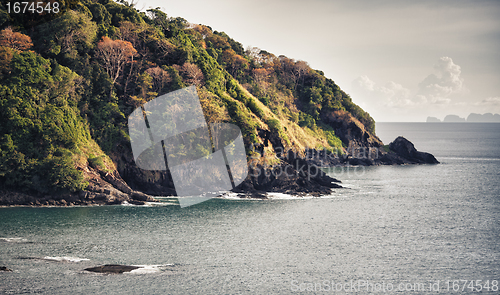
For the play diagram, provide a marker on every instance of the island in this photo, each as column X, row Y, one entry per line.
column 473, row 117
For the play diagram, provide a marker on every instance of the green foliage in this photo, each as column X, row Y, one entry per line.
column 120, row 13
column 236, row 46
column 58, row 99
column 241, row 117
column 68, row 38
column 274, row 124
column 96, row 162
column 306, row 120
column 330, row 136
column 252, row 105
column 40, row 133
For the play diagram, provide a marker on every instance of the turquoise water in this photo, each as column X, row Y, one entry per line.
column 411, row 225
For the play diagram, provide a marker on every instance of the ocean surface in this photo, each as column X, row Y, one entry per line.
column 418, row 229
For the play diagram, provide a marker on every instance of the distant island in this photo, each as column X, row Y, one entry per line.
column 473, row 117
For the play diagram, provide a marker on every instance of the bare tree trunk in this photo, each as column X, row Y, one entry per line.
column 128, row 77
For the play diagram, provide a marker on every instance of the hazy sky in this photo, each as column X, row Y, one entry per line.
column 399, row 60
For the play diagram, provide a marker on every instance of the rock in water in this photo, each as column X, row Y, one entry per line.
column 112, row 268
column 405, row 149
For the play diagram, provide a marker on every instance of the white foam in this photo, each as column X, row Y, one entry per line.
column 282, row 196
column 230, row 196
column 163, row 203
column 64, row 259
column 274, row 196
column 149, row 204
column 147, row 269
column 14, row 240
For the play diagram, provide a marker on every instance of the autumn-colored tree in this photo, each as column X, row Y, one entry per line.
column 287, row 75
column 192, row 74
column 15, row 40
column 203, row 30
column 233, row 61
column 115, row 54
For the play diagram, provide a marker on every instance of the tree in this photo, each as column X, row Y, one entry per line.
column 204, row 31
column 15, row 40
column 6, row 55
column 260, row 77
column 115, row 54
column 192, row 74
column 72, row 31
column 160, row 78
column 300, row 69
column 233, row 61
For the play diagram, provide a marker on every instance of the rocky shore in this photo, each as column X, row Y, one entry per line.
column 103, row 189
column 399, row 152
column 295, row 176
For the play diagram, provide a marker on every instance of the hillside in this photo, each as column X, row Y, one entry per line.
column 69, row 80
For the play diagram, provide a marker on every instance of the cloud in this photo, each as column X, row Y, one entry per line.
column 492, row 101
column 437, row 88
column 391, row 94
column 442, row 91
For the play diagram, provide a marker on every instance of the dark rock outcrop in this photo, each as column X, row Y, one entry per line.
column 104, row 188
column 112, row 268
column 293, row 176
column 399, row 152
column 406, row 150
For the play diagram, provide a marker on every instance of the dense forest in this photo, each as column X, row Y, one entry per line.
column 70, row 78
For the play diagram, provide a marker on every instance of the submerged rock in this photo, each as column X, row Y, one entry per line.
column 112, row 268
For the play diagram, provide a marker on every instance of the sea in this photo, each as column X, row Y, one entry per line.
column 412, row 229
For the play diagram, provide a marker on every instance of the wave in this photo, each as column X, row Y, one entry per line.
column 274, row 196
column 282, row 196
column 14, row 240
column 150, row 204
column 64, row 259
column 148, row 269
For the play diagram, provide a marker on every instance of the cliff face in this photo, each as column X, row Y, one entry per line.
column 351, row 131
column 64, row 105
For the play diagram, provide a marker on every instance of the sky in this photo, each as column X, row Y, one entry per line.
column 400, row 60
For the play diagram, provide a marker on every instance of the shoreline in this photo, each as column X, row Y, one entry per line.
column 294, row 176
column 263, row 196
